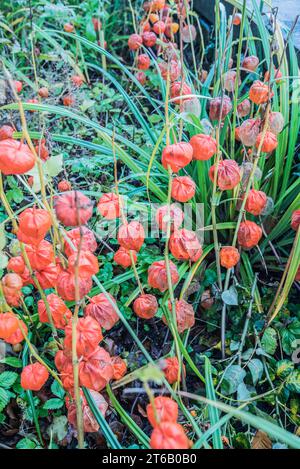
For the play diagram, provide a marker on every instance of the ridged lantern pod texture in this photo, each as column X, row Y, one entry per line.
column 135, row 41
column 219, row 108
column 82, row 235
column 59, row 312
column 33, row 377
column 84, row 262
column 73, row 208
column 169, row 435
column 256, row 202
column 295, row 222
column 204, row 147
column 166, row 410
column 6, row 131
column 260, row 93
column 228, row 176
column 90, row 423
column 18, row 336
column 184, row 245
column 179, row 90
column 249, row 131
column 88, row 336
column 48, row 276
column 15, row 157
column 171, row 369
column 229, row 257
column 8, row 325
column 109, row 206
column 162, row 217
column 41, row 255
column 131, row 235
column 177, row 156
column 249, row 234
column 143, row 62
column 102, row 311
column 66, row 286
column 250, row 63
column 119, row 367
column 96, row 371
column 35, row 222
column 269, row 143
column 243, row 109
column 157, row 275
column 173, row 70
column 183, row 188
column 122, row 257
column 145, row 306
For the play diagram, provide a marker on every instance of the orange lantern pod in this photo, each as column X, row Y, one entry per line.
column 229, row 257
column 141, row 78
column 149, row 39
column 43, row 92
column 77, row 80
column 96, row 371
column 41, row 255
column 15, row 157
column 153, row 17
column 157, row 5
column 185, row 315
column 277, row 75
column 102, row 311
column 83, row 236
column 69, row 27
column 143, row 62
column 297, row 277
column 159, row 27
column 250, row 63
column 176, row 217
column 256, row 202
column 228, row 176
column 35, row 222
column 109, row 206
column 169, row 435
column 204, row 147
column 6, row 131
column 8, row 325
column 177, row 156
column 237, row 19
column 59, row 311
column 64, row 186
column 119, row 367
column 135, row 41
column 229, row 79
column 62, row 360
column 88, row 336
column 11, row 285
column 122, row 257
column 157, row 275
column 270, row 142
column 184, row 245
column 85, row 262
column 47, row 277
column 249, row 234
column 295, row 222
column 66, row 286
column 73, row 208
column 33, row 377
column 172, row 69
column 18, row 85
column 131, row 236
column 244, row 108
column 249, row 131
column 16, row 264
column 170, row 368
column 259, row 93
column 42, row 151
column 69, row 100
column 90, row 424
column 145, row 306
column 276, row 122
column 178, row 90
column 219, row 108
column 183, row 188
column 145, row 26
column 17, row 337
column 166, row 410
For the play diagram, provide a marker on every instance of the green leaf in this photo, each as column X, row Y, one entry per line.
column 284, row 368
column 4, row 398
column 230, row 297
column 7, row 379
column 12, row 361
column 57, row 390
column 256, row 368
column 26, row 443
column 293, row 381
column 54, row 165
column 233, row 376
column 269, row 341
column 54, row 403
column 3, row 260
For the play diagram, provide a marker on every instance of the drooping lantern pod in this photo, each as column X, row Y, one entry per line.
column 33, row 377
column 84, row 262
column 43, row 92
column 83, row 236
column 135, row 41
column 250, row 63
column 59, row 312
column 166, row 410
column 69, row 27
column 204, row 147
column 188, row 32
column 90, row 424
column 185, row 315
column 229, row 257
column 109, row 206
column 34, row 223
column 8, row 325
column 179, row 90
column 269, row 144
column 249, row 131
column 173, row 69
column 88, row 336
column 73, row 208
column 159, row 27
column 295, row 222
column 183, row 188
column 236, row 19
column 119, row 367
column 18, row 85
column 48, row 276
column 64, row 186
column 15, row 157
column 145, row 306
column 229, row 79
column 228, row 176
column 157, row 275
column 18, row 336
column 143, row 62
column 40, row 255
column 149, row 38
column 131, row 235
column 66, row 286
column 249, row 234
column 162, row 217
column 277, row 75
column 219, row 108
column 141, row 78
column 12, row 285
column 184, row 245
column 169, row 435
column 6, row 131
column 102, row 311
column 170, row 367
column 77, row 80
column 96, row 371
column 276, row 122
column 260, row 93
column 177, row 156
column 256, row 202
column 157, row 5
column 122, row 257
column 243, row 109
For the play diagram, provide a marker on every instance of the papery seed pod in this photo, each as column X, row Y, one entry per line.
column 141, row 78
column 81, row 235
column 243, row 109
column 73, row 208
column 188, row 33
column 15, row 157
column 145, row 306
column 166, row 410
column 77, row 80
column 119, row 367
column 172, row 69
column 260, row 93
column 18, row 336
column 88, row 336
column 159, row 27
column 131, row 236
column 47, row 277
column 41, row 255
column 229, row 80
column 90, row 424
column 135, row 41
column 229, row 174
column 33, row 377
column 43, row 92
column 69, row 27
column 295, row 221
column 59, row 311
column 103, row 310
column 237, row 19
column 18, row 85
column 69, row 100
column 169, row 435
column 219, row 108
column 229, row 257
column 249, row 234
column 8, row 325
column 149, row 39
column 185, row 315
column 183, row 188
column 207, row 300
column 204, row 147
column 268, row 208
column 177, row 156
column 83, row 262
column 184, row 245
column 122, row 257
column 96, row 371
column 256, row 202
column 109, row 206
column 6, row 131
column 270, row 142
column 277, row 75
column 276, row 122
column 157, row 275
column 66, row 286
column 170, row 367
column 163, row 220
column 64, row 186
column 143, row 62
column 179, row 90
column 250, row 63
column 249, row 131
